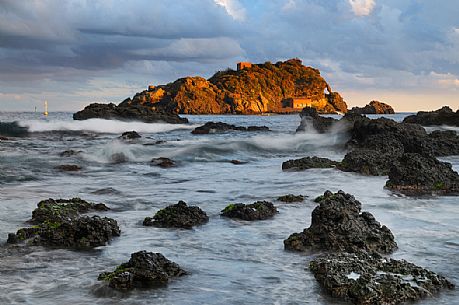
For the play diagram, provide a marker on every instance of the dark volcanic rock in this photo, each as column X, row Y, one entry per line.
column 291, row 198
column 415, row 174
column 311, row 119
column 69, row 153
column 218, row 127
column 130, row 135
column 163, row 162
column 371, row 279
column 307, row 163
column 68, row 168
column 374, row 107
column 443, row 116
column 177, row 216
column 259, row 210
column 143, row 270
column 338, row 225
column 12, row 129
column 127, row 113
column 58, row 223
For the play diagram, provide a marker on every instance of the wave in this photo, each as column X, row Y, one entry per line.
column 101, row 126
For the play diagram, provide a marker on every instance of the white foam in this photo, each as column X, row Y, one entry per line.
column 353, row 276
column 101, row 126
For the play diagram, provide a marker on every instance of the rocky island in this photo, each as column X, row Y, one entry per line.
column 283, row 87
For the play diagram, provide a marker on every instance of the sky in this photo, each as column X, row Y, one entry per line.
column 75, row 52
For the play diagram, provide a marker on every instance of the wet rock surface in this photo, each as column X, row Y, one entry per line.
column 307, row 163
column 69, row 153
column 130, row 135
column 59, row 223
column 310, row 119
column 177, row 216
column 12, row 129
column 415, row 174
column 364, row 278
column 68, row 168
column 259, row 210
column 125, row 112
column 374, row 107
column 219, row 127
column 163, row 162
column 290, row 198
column 143, row 270
column 443, row 116
column 338, row 225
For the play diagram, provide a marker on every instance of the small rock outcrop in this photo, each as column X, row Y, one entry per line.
column 68, row 168
column 310, row 119
column 219, row 127
column 415, row 174
column 374, row 107
column 443, row 116
column 130, row 135
column 338, row 225
column 290, row 198
column 177, row 216
column 12, row 129
column 364, row 278
column 259, row 210
column 163, row 162
column 59, row 223
column 121, row 112
column 69, row 153
column 307, row 163
column 143, row 270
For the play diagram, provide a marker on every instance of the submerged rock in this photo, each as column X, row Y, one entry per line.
column 177, row 216
column 311, row 119
column 143, row 270
column 291, row 198
column 371, row 279
column 307, row 163
column 69, row 153
column 259, row 210
column 130, row 135
column 415, row 174
column 163, row 162
column 217, row 127
column 68, row 168
column 126, row 112
column 443, row 116
column 338, row 225
column 374, row 107
column 59, row 223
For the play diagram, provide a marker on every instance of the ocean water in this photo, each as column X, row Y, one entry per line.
column 231, row 262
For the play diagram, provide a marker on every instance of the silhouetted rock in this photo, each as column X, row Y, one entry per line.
column 177, row 216
column 163, row 162
column 12, row 129
column 415, row 174
column 338, row 225
column 259, row 210
column 127, row 113
column 59, row 223
column 68, row 168
column 311, row 119
column 443, row 116
column 218, row 127
column 130, row 135
column 143, row 270
column 290, row 198
column 374, row 107
column 371, row 279
column 307, row 163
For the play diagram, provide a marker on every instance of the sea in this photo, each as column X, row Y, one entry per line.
column 229, row 261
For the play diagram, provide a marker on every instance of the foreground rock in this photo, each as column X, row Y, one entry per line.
column 290, row 198
column 371, row 279
column 127, row 113
column 218, row 127
column 68, row 168
column 130, row 135
column 374, row 107
column 259, row 210
column 12, row 129
column 443, row 116
column 415, row 174
column 177, row 216
column 311, row 120
column 143, row 270
column 59, row 223
column 338, row 225
column 308, row 163
column 163, row 162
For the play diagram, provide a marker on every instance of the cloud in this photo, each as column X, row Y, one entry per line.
column 362, row 7
column 234, row 8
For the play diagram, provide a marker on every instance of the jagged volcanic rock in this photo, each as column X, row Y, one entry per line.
column 307, row 163
column 259, row 210
column 338, row 225
column 443, row 116
column 374, row 107
column 217, row 127
column 290, row 198
column 130, row 135
column 311, row 119
column 177, row 216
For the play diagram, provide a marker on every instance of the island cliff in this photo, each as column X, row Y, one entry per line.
column 283, row 87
